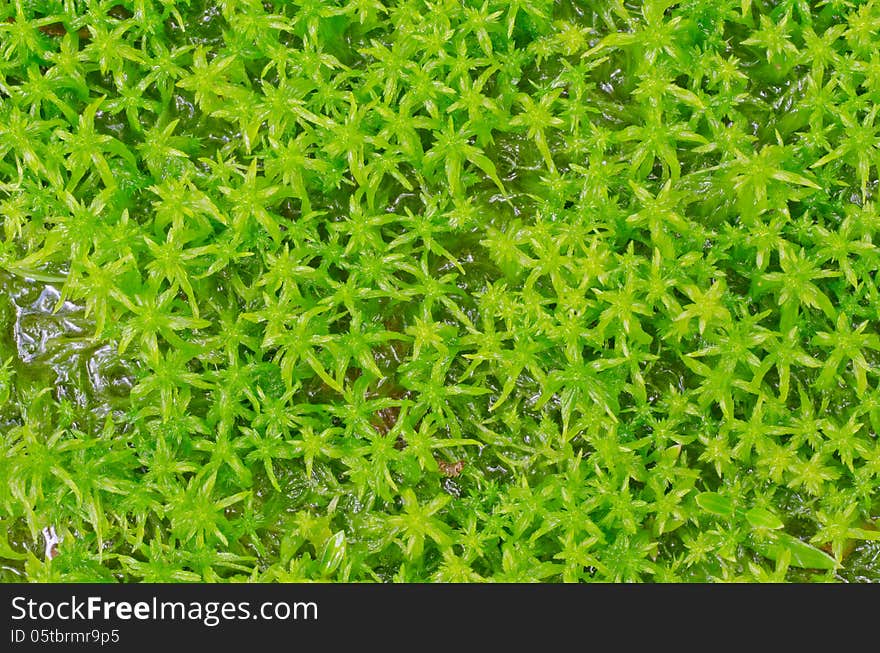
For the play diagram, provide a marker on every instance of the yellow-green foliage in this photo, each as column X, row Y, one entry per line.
column 464, row 290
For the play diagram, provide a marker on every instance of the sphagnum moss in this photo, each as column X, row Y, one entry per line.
column 445, row 291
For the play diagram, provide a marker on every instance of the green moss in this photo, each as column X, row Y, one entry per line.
column 439, row 291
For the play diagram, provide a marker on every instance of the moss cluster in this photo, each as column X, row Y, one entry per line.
column 462, row 290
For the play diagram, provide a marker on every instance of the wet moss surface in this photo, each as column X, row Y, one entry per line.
column 439, row 291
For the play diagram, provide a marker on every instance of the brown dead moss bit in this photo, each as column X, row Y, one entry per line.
column 450, row 470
